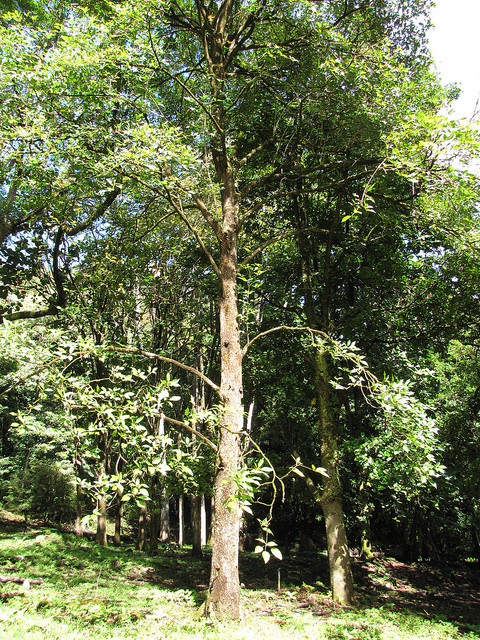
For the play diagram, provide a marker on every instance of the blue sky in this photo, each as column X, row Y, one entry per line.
column 455, row 45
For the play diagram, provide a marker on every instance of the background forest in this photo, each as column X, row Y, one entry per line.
column 239, row 260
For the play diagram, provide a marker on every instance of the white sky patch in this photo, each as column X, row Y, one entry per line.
column 455, row 46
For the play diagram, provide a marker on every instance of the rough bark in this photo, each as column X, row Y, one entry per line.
column 341, row 578
column 223, row 599
column 224, row 590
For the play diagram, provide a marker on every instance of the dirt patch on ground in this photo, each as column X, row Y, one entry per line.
column 451, row 591
column 448, row 590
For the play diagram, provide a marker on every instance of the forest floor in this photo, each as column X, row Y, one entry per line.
column 78, row 590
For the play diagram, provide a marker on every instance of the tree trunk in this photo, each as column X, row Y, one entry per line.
column 78, row 508
column 164, row 534
column 142, row 529
column 341, row 578
column 154, row 524
column 181, row 523
column 101, row 536
column 117, row 539
column 203, row 521
column 78, row 487
column 197, row 526
column 365, row 533
column 224, row 591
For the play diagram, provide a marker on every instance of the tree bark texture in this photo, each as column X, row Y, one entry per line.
column 341, row 578
column 223, row 599
column 224, row 590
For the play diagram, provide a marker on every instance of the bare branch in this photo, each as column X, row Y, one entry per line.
column 309, row 330
column 99, row 211
column 199, row 203
column 250, row 155
column 29, row 315
column 184, row 86
column 186, row 426
column 282, row 236
column 179, row 210
column 176, row 363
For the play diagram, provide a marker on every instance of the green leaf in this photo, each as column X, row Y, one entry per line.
column 277, row 553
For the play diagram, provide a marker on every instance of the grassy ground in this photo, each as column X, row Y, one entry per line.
column 99, row 594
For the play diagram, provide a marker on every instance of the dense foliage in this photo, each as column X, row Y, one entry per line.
column 239, row 249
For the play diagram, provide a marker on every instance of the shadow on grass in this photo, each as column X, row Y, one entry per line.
column 449, row 593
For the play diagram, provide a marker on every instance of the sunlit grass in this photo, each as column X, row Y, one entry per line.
column 94, row 593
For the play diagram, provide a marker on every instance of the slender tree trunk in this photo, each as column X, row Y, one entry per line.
column 78, row 509
column 196, row 503
column 203, row 521
column 142, row 529
column 181, row 522
column 164, row 533
column 101, row 536
column 154, row 520
column 77, row 465
column 365, row 533
column 223, row 600
column 117, row 539
column 341, row 578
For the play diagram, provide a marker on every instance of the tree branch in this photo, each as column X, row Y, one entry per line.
column 199, row 203
column 198, row 238
column 176, row 363
column 186, row 426
column 99, row 211
column 267, row 243
column 309, row 330
column 185, row 87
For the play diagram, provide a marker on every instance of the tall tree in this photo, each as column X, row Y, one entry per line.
column 211, row 108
